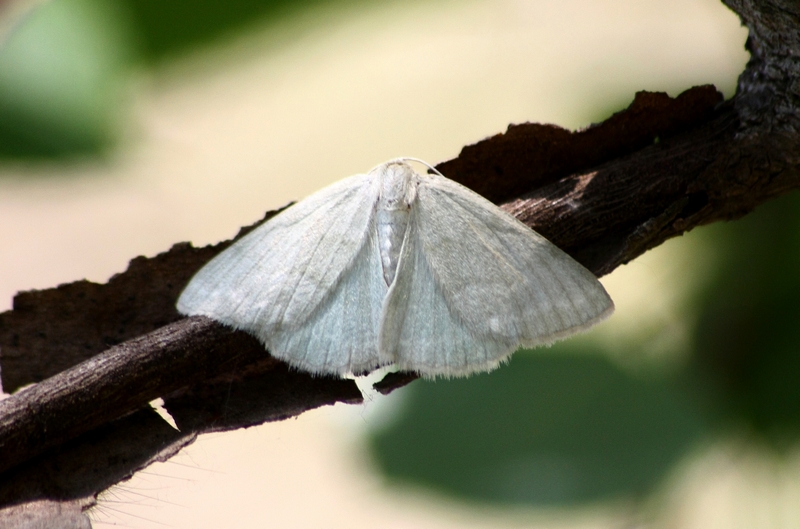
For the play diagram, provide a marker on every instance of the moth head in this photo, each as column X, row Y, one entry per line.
column 398, row 184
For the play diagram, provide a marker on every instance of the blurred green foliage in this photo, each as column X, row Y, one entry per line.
column 61, row 81
column 64, row 70
column 175, row 26
column 747, row 342
column 565, row 425
column 555, row 426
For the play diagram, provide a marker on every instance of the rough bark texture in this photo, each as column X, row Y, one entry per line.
column 99, row 353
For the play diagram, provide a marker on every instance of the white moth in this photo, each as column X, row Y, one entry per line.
column 396, row 267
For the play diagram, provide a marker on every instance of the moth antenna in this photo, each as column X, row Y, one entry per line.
column 423, row 162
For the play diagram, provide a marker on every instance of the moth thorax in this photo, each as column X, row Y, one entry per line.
column 394, row 206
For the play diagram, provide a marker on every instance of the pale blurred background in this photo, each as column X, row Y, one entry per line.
column 129, row 125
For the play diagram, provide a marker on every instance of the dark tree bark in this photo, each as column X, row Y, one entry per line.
column 98, row 354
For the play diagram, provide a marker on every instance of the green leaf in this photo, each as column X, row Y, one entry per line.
column 552, row 427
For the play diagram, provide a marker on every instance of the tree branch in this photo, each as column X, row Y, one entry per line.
column 99, row 353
